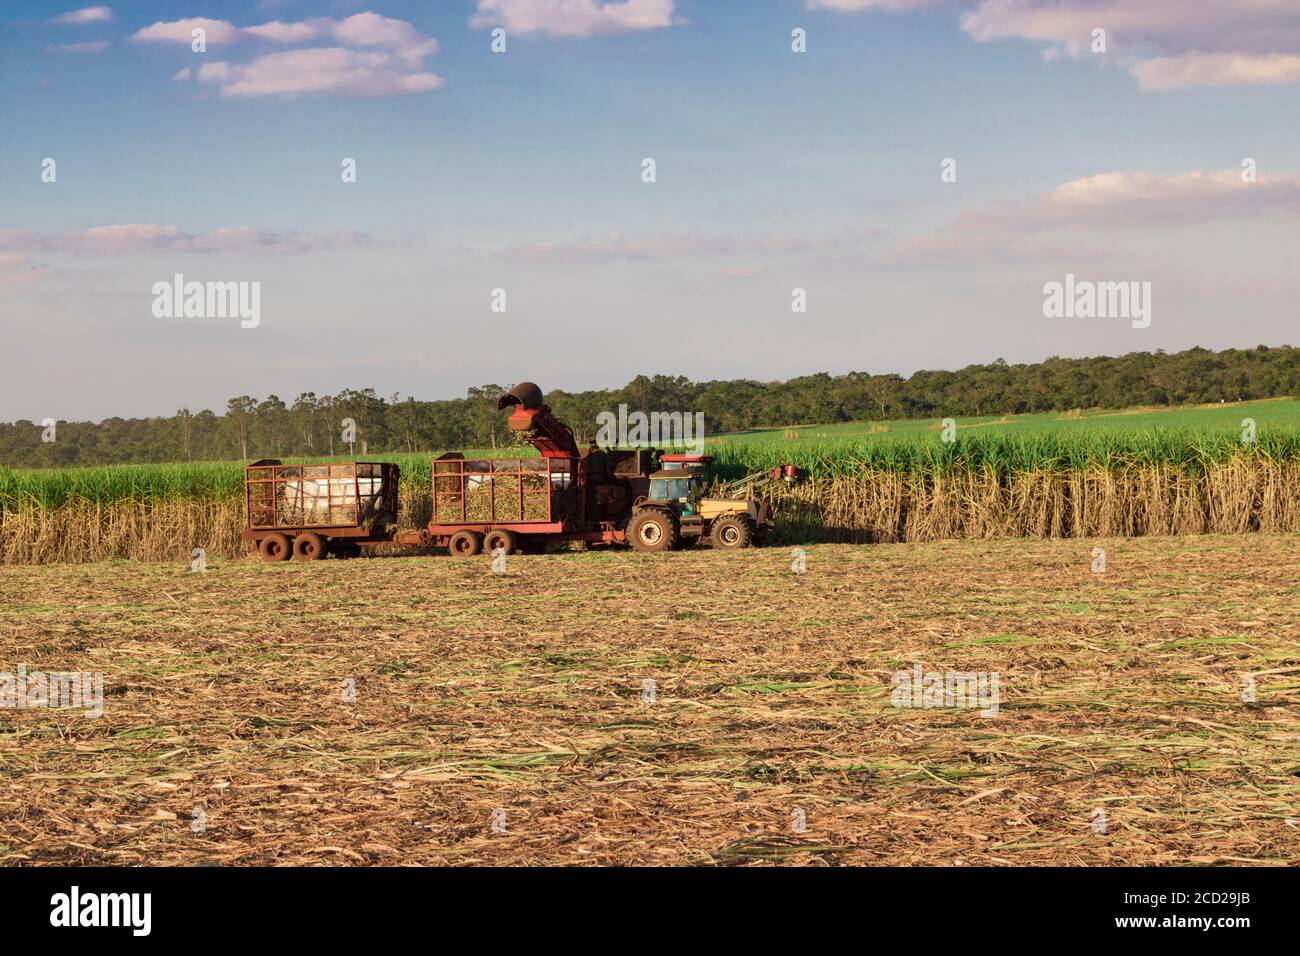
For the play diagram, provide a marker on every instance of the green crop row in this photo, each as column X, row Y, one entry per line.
column 987, row 452
column 1009, row 453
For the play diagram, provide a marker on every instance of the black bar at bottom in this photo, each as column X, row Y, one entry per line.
column 334, row 905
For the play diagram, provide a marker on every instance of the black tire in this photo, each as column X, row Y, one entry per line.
column 275, row 547
column 308, row 547
column 651, row 531
column 501, row 538
column 465, row 544
column 731, row 532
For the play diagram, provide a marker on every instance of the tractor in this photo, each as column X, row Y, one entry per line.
column 677, row 513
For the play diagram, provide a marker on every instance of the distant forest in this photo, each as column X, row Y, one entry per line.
column 312, row 425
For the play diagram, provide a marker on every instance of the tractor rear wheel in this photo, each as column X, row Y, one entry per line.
column 274, row 547
column 731, row 532
column 465, row 544
column 652, row 530
column 308, row 547
column 502, row 538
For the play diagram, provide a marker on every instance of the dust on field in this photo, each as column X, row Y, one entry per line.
column 426, row 711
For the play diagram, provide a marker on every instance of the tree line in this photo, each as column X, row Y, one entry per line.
column 318, row 425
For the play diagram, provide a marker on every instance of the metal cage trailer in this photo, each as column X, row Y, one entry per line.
column 306, row 512
column 509, row 503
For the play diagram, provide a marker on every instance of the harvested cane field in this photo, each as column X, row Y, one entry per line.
column 983, row 485
column 1123, row 735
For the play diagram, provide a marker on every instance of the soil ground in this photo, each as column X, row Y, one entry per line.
column 399, row 710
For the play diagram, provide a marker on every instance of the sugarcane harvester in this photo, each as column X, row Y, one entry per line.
column 587, row 495
column 564, row 496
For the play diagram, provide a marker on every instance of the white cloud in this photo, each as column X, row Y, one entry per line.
column 376, row 56
column 332, row 70
column 182, row 31
column 360, row 30
column 278, row 32
column 1217, row 69
column 1146, row 199
column 131, row 238
column 92, row 46
column 84, row 15
column 372, row 30
column 1152, row 27
column 1165, row 44
column 1100, row 205
column 573, row 18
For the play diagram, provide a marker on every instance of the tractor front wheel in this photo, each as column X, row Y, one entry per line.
column 731, row 532
column 652, row 531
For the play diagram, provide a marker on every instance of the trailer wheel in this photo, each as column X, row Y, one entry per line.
column 275, row 547
column 465, row 544
column 651, row 531
column 308, row 547
column 502, row 538
column 731, row 532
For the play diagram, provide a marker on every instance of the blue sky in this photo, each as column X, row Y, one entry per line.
column 522, row 171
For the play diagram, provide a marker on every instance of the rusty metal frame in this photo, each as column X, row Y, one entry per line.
column 272, row 475
column 459, row 471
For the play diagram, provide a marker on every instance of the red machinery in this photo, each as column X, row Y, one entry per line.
column 535, row 422
column 570, row 494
